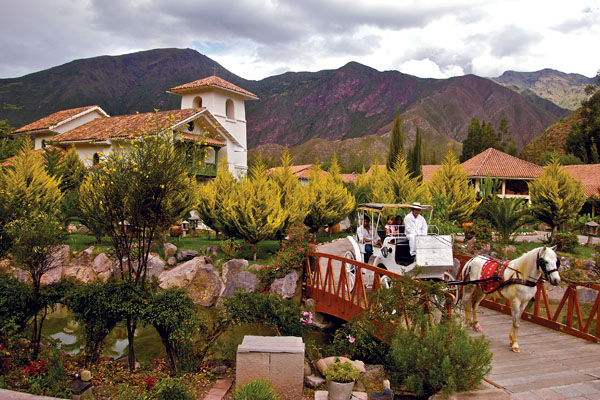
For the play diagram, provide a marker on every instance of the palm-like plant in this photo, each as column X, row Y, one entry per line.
column 507, row 216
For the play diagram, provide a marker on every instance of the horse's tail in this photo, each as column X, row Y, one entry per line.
column 463, row 271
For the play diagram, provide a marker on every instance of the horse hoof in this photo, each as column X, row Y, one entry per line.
column 516, row 349
column 478, row 328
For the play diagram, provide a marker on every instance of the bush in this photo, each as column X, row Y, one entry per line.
column 566, row 242
column 357, row 340
column 256, row 389
column 438, row 358
column 341, row 372
column 171, row 389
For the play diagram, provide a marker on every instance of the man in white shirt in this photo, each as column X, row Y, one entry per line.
column 414, row 225
column 368, row 236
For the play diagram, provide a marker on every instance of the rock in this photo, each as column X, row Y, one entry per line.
column 555, row 292
column 53, row 275
column 201, row 282
column 172, row 261
column 156, row 265
column 233, row 267
column 320, row 321
column 484, row 250
column 186, row 255
column 220, row 369
column 307, row 369
column 374, row 373
column 255, row 267
column 5, row 265
column 84, row 274
column 588, row 265
column 206, row 286
column 60, row 256
column 313, row 381
column 470, row 245
column 72, row 228
column 212, row 250
column 323, row 363
column 170, row 250
column 102, row 266
column 84, row 230
column 586, row 295
column 511, row 249
column 565, row 263
column 286, row 286
column 244, row 280
column 85, row 258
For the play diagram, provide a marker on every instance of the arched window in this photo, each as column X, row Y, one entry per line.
column 43, row 143
column 96, row 159
column 229, row 109
column 197, row 103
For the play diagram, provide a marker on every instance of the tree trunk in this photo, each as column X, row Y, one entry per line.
column 131, row 325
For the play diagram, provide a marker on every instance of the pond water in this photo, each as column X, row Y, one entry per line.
column 61, row 325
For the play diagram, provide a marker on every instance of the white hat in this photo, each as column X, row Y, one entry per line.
column 416, row 206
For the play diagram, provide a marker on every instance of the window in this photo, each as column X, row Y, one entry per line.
column 197, row 103
column 229, row 109
column 43, row 143
column 96, row 159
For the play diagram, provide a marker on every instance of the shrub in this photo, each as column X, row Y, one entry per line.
column 171, row 389
column 256, row 389
column 438, row 358
column 357, row 340
column 566, row 242
column 342, row 372
column 229, row 247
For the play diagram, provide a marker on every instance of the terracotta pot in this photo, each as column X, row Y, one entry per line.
column 339, row 391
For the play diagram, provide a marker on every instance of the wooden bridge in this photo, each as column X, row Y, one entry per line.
column 560, row 355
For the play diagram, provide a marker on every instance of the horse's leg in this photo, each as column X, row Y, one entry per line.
column 478, row 296
column 467, row 297
column 516, row 309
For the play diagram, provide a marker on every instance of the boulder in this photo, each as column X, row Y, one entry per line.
column 186, row 255
column 565, row 263
column 287, row 285
column 484, row 250
column 81, row 273
column 244, row 280
column 85, row 257
column 511, row 249
column 180, row 276
column 71, row 228
column 84, row 230
column 21, row 275
column 156, row 265
column 60, row 256
column 52, row 275
column 307, row 369
column 313, row 381
column 206, row 286
column 320, row 321
column 323, row 363
column 170, row 250
column 233, row 267
column 171, row 262
column 588, row 265
column 5, row 265
column 102, row 266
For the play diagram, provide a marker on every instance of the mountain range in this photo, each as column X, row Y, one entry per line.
column 296, row 108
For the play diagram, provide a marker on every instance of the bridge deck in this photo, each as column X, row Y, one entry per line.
column 551, row 364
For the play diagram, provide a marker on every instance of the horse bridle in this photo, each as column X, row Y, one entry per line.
column 543, row 265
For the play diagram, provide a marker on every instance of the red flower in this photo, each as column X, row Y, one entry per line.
column 149, row 381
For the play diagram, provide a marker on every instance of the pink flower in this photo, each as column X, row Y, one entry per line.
column 350, row 339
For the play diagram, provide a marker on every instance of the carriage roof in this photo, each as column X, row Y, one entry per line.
column 380, row 207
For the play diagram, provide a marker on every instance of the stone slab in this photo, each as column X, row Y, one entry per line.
column 322, row 395
column 271, row 344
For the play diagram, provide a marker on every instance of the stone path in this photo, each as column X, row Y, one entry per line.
column 219, row 390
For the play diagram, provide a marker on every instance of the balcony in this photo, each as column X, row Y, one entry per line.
column 206, row 170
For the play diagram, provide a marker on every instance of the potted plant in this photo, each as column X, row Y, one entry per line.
column 340, row 378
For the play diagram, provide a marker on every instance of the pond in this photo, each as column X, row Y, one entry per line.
column 60, row 325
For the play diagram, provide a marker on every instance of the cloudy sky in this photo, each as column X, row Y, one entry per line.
column 259, row 38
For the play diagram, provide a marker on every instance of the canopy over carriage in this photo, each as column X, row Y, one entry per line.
column 433, row 259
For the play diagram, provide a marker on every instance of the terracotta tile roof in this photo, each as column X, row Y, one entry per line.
column 211, row 81
column 349, row 178
column 428, row 171
column 301, row 171
column 496, row 163
column 125, row 126
column 53, row 119
column 589, row 175
column 207, row 140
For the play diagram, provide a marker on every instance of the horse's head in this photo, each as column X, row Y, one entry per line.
column 549, row 263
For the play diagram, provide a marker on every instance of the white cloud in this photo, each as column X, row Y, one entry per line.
column 255, row 38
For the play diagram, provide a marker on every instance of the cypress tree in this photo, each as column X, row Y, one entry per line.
column 396, row 142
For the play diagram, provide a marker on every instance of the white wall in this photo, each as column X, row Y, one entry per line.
column 75, row 122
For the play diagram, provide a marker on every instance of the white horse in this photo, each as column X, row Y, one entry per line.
column 516, row 283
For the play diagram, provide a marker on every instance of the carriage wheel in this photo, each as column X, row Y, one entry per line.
column 350, row 270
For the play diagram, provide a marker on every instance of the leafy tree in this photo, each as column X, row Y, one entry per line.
column 451, row 182
column 173, row 314
column 14, row 298
column 328, row 200
column 556, row 197
column 584, row 137
column 293, row 196
column 136, row 192
column 481, row 136
column 52, row 157
column 396, row 185
column 396, row 142
column 72, row 173
column 9, row 145
column 506, row 216
column 255, row 207
column 95, row 307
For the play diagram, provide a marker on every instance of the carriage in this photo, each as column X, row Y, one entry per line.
column 433, row 259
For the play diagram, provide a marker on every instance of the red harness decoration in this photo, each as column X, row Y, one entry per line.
column 492, row 270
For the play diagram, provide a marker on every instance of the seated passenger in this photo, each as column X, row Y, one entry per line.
column 398, row 223
column 368, row 236
column 390, row 228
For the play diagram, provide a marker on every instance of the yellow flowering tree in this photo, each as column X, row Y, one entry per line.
column 556, row 197
column 255, row 207
column 450, row 183
column 29, row 225
column 329, row 201
column 396, row 185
